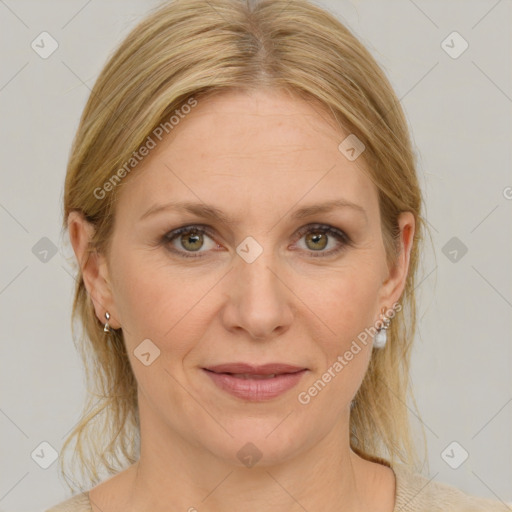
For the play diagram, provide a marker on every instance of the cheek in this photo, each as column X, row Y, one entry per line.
column 345, row 301
column 157, row 302
column 346, row 304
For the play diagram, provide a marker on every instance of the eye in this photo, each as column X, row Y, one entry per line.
column 319, row 236
column 189, row 239
column 192, row 241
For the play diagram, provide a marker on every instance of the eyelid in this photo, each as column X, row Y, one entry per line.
column 328, row 228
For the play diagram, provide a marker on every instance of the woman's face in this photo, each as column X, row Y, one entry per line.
column 272, row 279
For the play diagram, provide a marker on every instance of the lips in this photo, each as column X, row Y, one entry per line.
column 245, row 370
column 255, row 383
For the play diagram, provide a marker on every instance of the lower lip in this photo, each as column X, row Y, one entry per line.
column 256, row 389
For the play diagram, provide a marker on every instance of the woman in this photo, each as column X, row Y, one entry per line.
column 242, row 201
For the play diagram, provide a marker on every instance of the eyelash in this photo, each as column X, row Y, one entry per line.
column 339, row 235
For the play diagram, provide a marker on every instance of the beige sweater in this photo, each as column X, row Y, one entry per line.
column 414, row 493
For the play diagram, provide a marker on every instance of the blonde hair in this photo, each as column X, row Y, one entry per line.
column 192, row 49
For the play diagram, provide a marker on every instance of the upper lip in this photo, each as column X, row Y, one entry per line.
column 265, row 369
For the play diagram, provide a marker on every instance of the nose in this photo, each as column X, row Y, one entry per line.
column 258, row 299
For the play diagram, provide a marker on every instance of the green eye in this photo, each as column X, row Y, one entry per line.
column 189, row 239
column 317, row 237
column 192, row 241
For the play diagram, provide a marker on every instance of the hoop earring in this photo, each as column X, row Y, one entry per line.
column 106, row 328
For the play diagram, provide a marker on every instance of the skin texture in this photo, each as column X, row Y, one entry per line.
column 258, row 157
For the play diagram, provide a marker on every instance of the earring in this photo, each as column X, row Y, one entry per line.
column 107, row 327
column 381, row 337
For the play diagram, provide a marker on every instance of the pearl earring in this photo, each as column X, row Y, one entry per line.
column 381, row 337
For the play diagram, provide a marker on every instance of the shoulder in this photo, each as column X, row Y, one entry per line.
column 78, row 503
column 417, row 493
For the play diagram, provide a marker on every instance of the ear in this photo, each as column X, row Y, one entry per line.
column 93, row 267
column 394, row 283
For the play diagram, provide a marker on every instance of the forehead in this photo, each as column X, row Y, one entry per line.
column 250, row 152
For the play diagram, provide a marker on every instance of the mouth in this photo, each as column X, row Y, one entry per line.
column 255, row 383
column 249, row 369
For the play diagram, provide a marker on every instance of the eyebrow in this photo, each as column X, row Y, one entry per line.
column 211, row 212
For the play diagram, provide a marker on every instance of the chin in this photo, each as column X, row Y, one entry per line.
column 259, row 443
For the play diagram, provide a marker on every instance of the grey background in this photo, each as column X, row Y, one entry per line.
column 459, row 111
